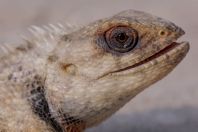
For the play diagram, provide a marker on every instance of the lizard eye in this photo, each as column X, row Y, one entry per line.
column 121, row 39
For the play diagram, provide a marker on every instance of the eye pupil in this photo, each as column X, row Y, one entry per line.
column 122, row 37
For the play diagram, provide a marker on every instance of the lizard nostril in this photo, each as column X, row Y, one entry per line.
column 163, row 33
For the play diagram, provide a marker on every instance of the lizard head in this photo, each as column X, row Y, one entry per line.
column 100, row 67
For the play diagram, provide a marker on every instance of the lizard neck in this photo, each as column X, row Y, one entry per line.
column 30, row 78
column 44, row 109
column 29, row 84
column 39, row 104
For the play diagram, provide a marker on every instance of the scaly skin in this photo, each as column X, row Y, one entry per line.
column 69, row 81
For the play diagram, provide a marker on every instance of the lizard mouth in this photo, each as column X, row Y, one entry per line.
column 165, row 51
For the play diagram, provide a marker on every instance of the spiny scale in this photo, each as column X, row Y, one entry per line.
column 43, row 38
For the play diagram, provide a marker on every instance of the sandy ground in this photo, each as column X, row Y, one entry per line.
column 170, row 105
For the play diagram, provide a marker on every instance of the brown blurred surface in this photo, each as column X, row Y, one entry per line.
column 170, row 105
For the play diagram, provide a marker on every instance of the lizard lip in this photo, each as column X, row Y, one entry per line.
column 164, row 51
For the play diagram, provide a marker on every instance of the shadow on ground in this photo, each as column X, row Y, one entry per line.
column 184, row 119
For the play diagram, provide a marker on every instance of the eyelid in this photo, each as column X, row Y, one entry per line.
column 104, row 40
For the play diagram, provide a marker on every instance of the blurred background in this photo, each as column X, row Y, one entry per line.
column 170, row 105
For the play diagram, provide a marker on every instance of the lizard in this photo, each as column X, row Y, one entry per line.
column 67, row 81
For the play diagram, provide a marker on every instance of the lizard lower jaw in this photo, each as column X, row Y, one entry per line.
column 166, row 52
